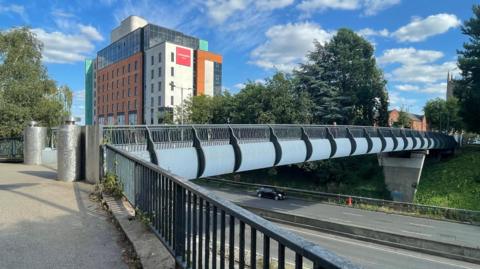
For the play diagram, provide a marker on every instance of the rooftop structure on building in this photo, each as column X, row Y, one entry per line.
column 146, row 71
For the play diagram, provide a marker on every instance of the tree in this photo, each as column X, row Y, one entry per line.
column 344, row 81
column 443, row 115
column 403, row 120
column 467, row 89
column 26, row 91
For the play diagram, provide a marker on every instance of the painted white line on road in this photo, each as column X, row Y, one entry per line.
column 422, row 234
column 378, row 248
column 352, row 214
column 340, row 220
column 421, row 225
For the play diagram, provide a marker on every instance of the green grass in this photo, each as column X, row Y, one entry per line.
column 454, row 182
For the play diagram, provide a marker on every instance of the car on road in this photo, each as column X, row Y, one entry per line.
column 270, row 192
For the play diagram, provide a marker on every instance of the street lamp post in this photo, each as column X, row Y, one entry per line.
column 181, row 99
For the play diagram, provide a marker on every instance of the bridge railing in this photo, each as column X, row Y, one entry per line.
column 203, row 230
column 11, row 148
column 178, row 136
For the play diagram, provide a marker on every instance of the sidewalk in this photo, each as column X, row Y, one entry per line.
column 45, row 223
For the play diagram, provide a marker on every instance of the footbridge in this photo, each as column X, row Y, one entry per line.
column 195, row 151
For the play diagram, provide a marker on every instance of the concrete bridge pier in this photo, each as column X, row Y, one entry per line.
column 402, row 171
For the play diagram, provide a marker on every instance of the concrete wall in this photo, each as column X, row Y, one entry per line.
column 93, row 140
column 402, row 173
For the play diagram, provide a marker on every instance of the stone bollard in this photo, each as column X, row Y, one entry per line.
column 34, row 138
column 69, row 153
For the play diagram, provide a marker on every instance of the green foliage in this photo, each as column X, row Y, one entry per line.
column 271, row 102
column 344, row 82
column 467, row 89
column 443, row 115
column 26, row 92
column 111, row 186
column 452, row 183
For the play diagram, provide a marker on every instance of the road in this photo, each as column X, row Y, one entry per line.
column 437, row 230
column 365, row 254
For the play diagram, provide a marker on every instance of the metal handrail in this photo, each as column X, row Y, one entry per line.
column 186, row 216
column 11, row 148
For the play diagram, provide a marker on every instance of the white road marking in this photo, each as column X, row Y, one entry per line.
column 352, row 214
column 422, row 234
column 421, row 225
column 381, row 249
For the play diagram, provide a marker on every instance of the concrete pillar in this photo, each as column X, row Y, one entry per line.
column 34, row 138
column 69, row 152
column 402, row 173
column 93, row 140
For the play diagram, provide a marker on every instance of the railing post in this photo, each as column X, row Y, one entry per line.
column 276, row 144
column 352, row 141
column 404, row 137
column 331, row 139
column 382, row 139
column 200, row 154
column 308, row 144
column 151, row 147
column 179, row 241
column 236, row 149
column 395, row 140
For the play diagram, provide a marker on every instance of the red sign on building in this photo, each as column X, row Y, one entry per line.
column 183, row 56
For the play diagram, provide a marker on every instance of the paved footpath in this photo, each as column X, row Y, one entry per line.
column 45, row 223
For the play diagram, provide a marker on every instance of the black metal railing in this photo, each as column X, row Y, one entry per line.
column 11, row 149
column 178, row 136
column 203, row 230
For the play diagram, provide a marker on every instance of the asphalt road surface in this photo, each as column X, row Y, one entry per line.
column 365, row 254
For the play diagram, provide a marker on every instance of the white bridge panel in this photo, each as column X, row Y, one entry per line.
column 419, row 143
column 257, row 155
column 344, row 147
column 362, row 146
column 321, row 149
column 376, row 145
column 388, row 144
column 409, row 143
column 219, row 160
column 294, row 151
column 425, row 146
column 432, row 143
column 180, row 161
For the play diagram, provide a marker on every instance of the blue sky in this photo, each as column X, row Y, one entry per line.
column 415, row 41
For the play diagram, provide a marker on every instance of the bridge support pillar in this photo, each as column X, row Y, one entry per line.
column 402, row 173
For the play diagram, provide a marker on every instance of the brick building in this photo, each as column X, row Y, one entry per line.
column 417, row 122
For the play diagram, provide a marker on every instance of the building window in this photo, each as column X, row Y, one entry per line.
column 128, row 68
column 151, row 74
column 152, row 60
column 159, row 57
column 159, row 72
column 123, row 70
column 152, row 103
column 135, row 92
column 135, row 78
column 159, row 101
column 172, row 57
column 172, row 86
column 151, row 88
column 172, row 71
column 171, row 100
column 128, row 92
column 159, row 86
column 135, row 66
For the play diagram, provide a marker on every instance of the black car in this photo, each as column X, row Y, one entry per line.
column 272, row 193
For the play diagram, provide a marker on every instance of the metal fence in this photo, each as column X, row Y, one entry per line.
column 202, row 230
column 179, row 136
column 11, row 149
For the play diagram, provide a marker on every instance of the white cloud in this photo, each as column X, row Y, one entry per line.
column 397, row 100
column 90, row 32
column 287, row 45
column 321, row 5
column 431, row 88
column 63, row 48
column 372, row 7
column 423, row 73
column 421, row 29
column 12, row 8
column 367, row 32
column 273, row 4
column 409, row 56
